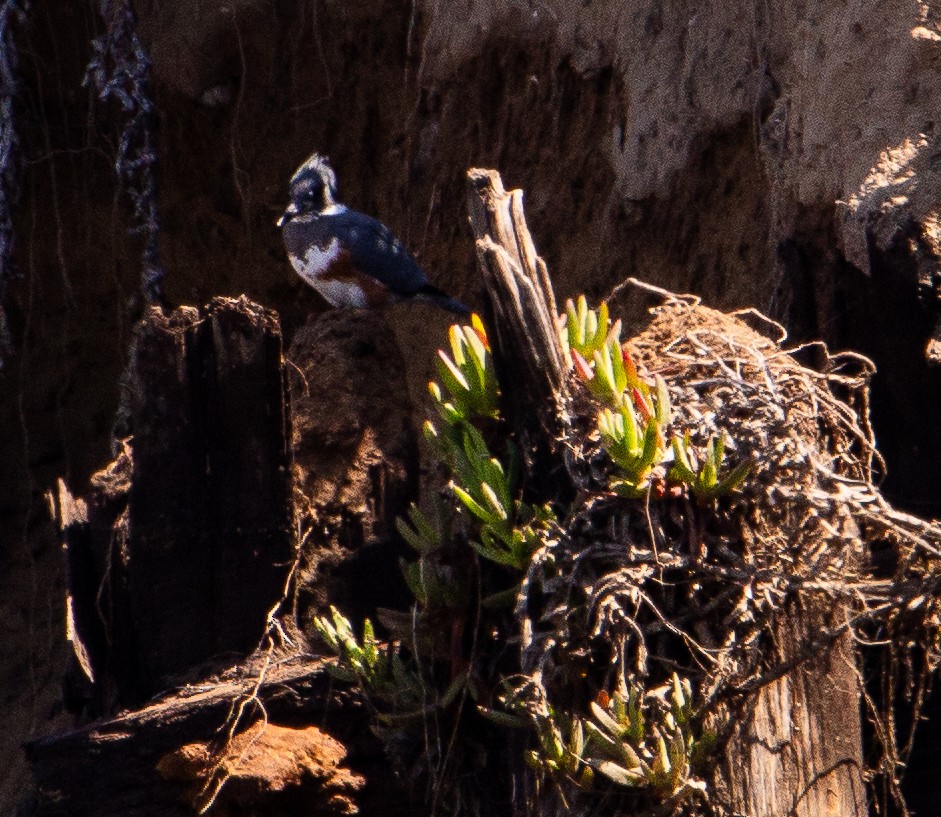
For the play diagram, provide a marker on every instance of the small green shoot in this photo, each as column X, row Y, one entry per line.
column 644, row 740
column 634, row 438
column 366, row 661
column 587, row 331
column 421, row 533
column 487, row 490
column 468, row 376
column 561, row 749
column 706, row 481
column 653, row 749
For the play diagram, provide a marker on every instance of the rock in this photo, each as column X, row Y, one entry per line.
column 274, row 770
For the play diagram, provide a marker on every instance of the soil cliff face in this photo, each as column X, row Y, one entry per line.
column 779, row 156
column 771, row 156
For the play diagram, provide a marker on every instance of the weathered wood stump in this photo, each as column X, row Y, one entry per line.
column 209, row 525
column 521, row 306
column 184, row 544
column 798, row 751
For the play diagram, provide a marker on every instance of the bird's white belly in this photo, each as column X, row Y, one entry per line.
column 342, row 293
column 315, row 263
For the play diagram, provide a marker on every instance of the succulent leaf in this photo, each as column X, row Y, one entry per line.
column 620, row 775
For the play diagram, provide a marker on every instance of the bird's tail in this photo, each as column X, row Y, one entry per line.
column 436, row 296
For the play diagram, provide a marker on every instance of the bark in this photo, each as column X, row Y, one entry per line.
column 209, row 522
column 799, row 750
column 522, row 308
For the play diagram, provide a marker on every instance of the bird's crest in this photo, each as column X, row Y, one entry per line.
column 315, row 167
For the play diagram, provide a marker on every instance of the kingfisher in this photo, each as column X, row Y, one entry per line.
column 351, row 259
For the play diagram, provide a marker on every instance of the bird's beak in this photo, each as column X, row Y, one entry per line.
column 288, row 214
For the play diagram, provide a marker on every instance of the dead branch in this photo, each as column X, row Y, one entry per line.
column 522, row 306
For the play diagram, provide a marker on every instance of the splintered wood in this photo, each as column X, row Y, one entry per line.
column 527, row 350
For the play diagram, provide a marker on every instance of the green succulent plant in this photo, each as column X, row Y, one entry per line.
column 365, row 660
column 656, row 749
column 432, row 582
column 561, row 749
column 487, row 490
column 468, row 376
column 705, row 480
column 634, row 438
column 642, row 740
column 587, row 331
column 649, row 740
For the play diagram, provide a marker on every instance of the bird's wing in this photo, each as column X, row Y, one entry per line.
column 377, row 252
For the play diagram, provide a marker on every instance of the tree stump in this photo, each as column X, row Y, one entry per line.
column 186, row 541
column 521, row 305
column 181, row 552
column 798, row 751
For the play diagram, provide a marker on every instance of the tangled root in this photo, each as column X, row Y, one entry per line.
column 631, row 591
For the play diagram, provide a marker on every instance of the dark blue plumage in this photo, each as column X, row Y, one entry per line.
column 353, row 260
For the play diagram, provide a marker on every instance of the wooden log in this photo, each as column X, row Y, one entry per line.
column 169, row 565
column 84, row 636
column 210, row 527
column 93, row 532
column 246, row 444
column 128, row 765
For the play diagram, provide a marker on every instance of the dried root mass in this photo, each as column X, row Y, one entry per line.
column 630, row 591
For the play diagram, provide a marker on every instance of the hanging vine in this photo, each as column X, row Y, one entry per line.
column 120, row 69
